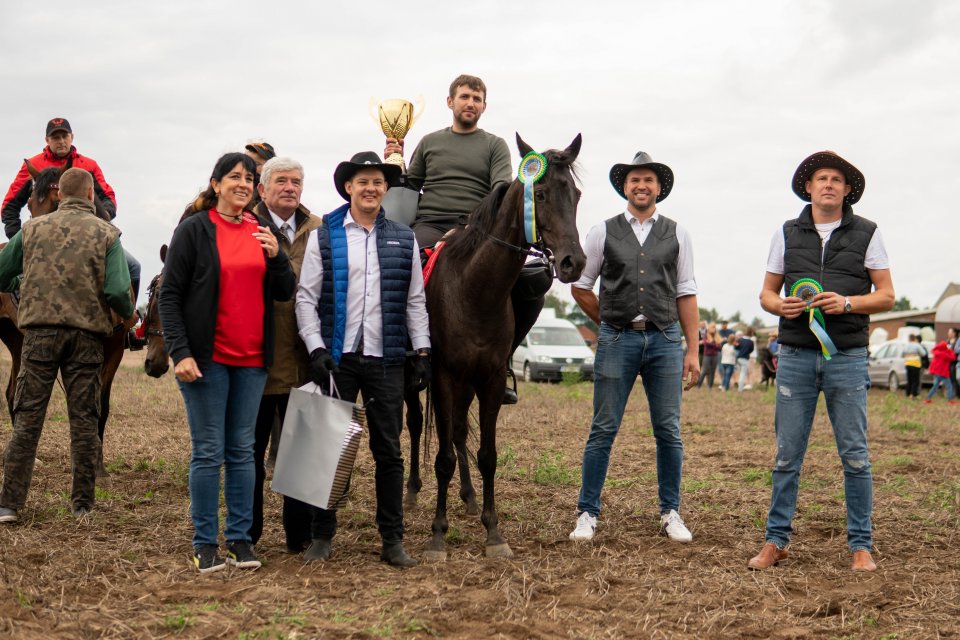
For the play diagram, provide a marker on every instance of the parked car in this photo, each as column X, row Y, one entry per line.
column 552, row 348
column 886, row 365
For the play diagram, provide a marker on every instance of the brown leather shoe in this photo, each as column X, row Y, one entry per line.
column 768, row 556
column 863, row 561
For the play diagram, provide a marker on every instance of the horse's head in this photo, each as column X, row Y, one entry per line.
column 45, row 192
column 157, row 361
column 556, row 196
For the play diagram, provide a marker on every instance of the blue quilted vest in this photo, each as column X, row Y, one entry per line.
column 395, row 254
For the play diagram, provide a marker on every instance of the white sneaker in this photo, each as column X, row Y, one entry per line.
column 586, row 525
column 672, row 523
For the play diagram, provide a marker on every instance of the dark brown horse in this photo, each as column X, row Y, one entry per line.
column 157, row 361
column 471, row 320
column 44, row 199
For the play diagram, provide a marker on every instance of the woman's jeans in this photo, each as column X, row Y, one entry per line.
column 947, row 385
column 726, row 370
column 657, row 356
column 802, row 374
column 222, row 411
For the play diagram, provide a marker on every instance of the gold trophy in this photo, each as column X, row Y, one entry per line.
column 395, row 116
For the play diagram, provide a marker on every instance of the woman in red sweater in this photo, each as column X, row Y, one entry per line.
column 222, row 273
column 942, row 356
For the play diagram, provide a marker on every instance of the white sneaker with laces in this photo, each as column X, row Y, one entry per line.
column 586, row 525
column 672, row 523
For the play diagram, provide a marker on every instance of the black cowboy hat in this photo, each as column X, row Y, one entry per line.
column 828, row 159
column 618, row 174
column 364, row 160
column 262, row 149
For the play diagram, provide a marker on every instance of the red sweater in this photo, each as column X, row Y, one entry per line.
column 941, row 357
column 238, row 340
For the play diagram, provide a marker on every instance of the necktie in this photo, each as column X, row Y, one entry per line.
column 287, row 231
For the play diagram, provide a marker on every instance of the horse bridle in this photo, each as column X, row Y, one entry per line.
column 151, row 291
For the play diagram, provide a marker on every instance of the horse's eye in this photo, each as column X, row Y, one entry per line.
column 540, row 196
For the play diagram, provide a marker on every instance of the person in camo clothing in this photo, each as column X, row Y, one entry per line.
column 74, row 272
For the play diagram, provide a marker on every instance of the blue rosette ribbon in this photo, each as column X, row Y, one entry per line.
column 806, row 289
column 532, row 168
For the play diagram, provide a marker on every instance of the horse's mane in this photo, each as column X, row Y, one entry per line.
column 481, row 221
column 42, row 183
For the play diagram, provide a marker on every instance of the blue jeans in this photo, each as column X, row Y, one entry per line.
column 657, row 356
column 726, row 372
column 222, row 412
column 947, row 385
column 801, row 375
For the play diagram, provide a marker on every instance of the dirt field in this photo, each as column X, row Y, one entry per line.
column 125, row 572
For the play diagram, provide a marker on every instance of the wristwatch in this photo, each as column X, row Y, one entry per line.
column 847, row 305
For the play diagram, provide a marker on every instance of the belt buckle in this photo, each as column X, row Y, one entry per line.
column 639, row 325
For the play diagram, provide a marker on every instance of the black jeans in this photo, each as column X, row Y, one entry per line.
column 913, row 381
column 382, row 390
column 296, row 514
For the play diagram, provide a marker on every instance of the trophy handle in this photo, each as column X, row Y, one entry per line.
column 372, row 109
column 418, row 111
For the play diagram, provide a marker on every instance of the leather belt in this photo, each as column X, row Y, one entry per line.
column 642, row 325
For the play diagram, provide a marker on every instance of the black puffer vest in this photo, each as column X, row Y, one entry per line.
column 838, row 266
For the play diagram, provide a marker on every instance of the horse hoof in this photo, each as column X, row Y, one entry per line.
column 102, row 472
column 434, row 557
column 472, row 508
column 410, row 502
column 501, row 550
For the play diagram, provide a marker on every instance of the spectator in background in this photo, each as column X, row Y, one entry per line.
column 745, row 347
column 728, row 361
column 943, row 357
column 725, row 330
column 768, row 361
column 703, row 334
column 912, row 353
column 952, row 334
column 711, row 343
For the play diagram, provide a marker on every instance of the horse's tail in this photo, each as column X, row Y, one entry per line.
column 428, row 429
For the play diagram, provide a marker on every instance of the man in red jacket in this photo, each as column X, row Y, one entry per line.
column 59, row 149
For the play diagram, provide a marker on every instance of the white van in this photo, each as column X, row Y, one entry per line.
column 552, row 348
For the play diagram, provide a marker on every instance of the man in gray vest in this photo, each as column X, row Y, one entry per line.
column 830, row 249
column 74, row 272
column 360, row 299
column 648, row 297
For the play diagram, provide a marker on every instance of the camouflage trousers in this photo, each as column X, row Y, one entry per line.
column 78, row 356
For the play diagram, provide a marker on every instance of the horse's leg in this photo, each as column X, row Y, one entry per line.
column 467, row 492
column 444, row 393
column 491, row 397
column 112, row 355
column 415, row 426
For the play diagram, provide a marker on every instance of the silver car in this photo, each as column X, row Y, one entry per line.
column 887, row 369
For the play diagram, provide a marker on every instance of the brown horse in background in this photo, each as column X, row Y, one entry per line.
column 157, row 361
column 471, row 320
column 44, row 199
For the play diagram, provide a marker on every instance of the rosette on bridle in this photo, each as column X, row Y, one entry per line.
column 532, row 168
column 806, row 289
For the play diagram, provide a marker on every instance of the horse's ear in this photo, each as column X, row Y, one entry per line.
column 574, row 149
column 32, row 170
column 523, row 146
column 163, row 253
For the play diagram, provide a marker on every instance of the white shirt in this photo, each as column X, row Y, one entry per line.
column 597, row 237
column 875, row 258
column 363, row 294
column 728, row 354
column 291, row 224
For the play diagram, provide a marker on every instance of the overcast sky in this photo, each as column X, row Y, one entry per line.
column 732, row 95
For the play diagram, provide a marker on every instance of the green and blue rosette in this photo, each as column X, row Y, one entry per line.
column 806, row 289
column 532, row 168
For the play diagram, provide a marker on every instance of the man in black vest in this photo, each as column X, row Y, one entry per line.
column 845, row 255
column 360, row 299
column 648, row 293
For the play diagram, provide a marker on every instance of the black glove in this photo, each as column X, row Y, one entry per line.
column 321, row 366
column 419, row 373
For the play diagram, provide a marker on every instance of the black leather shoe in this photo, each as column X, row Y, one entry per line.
column 397, row 556
column 318, row 550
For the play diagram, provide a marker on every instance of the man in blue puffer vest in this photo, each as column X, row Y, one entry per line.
column 360, row 300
